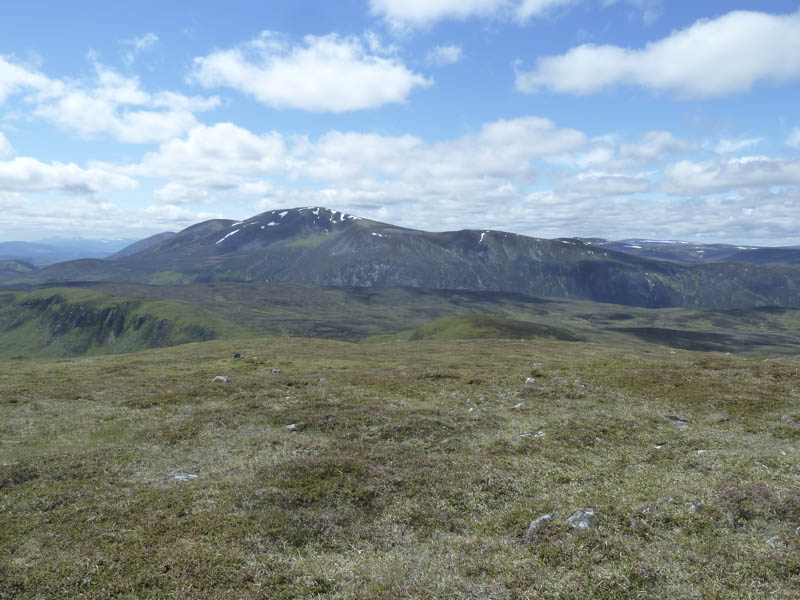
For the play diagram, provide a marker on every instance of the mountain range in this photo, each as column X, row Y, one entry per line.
column 323, row 247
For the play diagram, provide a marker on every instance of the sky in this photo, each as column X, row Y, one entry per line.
column 551, row 118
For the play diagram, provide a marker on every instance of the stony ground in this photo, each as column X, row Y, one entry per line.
column 400, row 470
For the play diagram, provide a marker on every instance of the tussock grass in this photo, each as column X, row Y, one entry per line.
column 412, row 470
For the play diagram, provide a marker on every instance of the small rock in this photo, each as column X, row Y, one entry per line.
column 701, row 451
column 783, row 452
column 237, row 355
column 535, row 364
column 482, row 399
column 322, row 379
column 660, row 445
column 178, row 476
column 559, row 380
column 696, row 507
column 773, row 541
column 530, row 380
column 582, row 519
column 471, row 409
column 530, row 434
column 222, row 378
column 786, row 420
column 519, row 405
column 277, row 371
column 292, row 427
column 530, row 533
column 680, row 423
column 797, row 531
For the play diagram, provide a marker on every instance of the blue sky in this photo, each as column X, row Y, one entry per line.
column 610, row 118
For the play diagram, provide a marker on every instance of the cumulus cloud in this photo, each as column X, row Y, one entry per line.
column 109, row 103
column 327, row 73
column 215, row 153
column 136, row 45
column 25, row 174
column 16, row 77
column 425, row 12
column 709, row 177
column 711, row 58
column 652, row 148
column 117, row 105
column 444, row 55
column 170, row 216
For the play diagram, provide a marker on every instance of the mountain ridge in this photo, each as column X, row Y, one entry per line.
column 320, row 246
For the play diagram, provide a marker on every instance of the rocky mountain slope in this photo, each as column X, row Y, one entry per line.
column 319, row 246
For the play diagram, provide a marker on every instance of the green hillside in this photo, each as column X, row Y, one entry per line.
column 56, row 322
column 472, row 327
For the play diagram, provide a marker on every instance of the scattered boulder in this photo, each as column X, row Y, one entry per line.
column 277, row 371
column 222, row 379
column 530, row 380
column 787, row 420
column 237, row 355
column 530, row 533
column 519, row 405
column 322, row 379
column 582, row 519
column 178, row 476
column 559, row 380
column 292, row 427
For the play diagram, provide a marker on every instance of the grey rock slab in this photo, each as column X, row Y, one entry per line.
column 582, row 519
column 277, row 371
column 222, row 379
column 178, row 476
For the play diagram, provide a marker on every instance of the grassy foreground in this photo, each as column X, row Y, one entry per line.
column 400, row 470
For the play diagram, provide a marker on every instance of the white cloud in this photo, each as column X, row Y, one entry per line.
column 15, row 78
column 709, row 177
column 402, row 14
column 444, row 55
column 215, row 153
column 426, row 12
column 794, row 138
column 117, row 105
column 711, row 58
column 5, row 146
column 137, row 45
column 325, row 73
column 608, row 153
column 176, row 193
column 726, row 146
column 168, row 216
column 25, row 174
